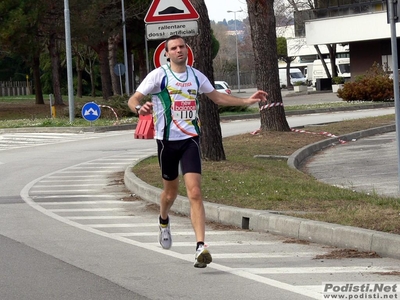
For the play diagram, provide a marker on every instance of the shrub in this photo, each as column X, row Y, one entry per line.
column 338, row 80
column 224, row 109
column 375, row 85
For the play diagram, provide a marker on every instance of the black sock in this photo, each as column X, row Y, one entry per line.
column 164, row 222
column 199, row 244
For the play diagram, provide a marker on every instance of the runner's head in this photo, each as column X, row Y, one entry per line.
column 176, row 50
column 171, row 38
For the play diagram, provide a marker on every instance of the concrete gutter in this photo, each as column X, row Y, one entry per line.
column 300, row 156
column 385, row 244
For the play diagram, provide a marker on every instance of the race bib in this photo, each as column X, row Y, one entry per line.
column 184, row 109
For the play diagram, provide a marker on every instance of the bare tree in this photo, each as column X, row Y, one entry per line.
column 298, row 5
column 263, row 34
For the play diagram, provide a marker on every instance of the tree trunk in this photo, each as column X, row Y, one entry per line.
column 211, row 135
column 112, row 60
column 328, row 74
column 36, row 79
column 55, row 70
column 332, row 56
column 91, row 59
column 92, row 81
column 80, row 66
column 288, row 81
column 142, row 64
column 263, row 34
column 102, row 52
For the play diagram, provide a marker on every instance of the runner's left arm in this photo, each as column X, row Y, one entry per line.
column 229, row 100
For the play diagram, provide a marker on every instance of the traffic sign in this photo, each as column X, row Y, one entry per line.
column 91, row 111
column 160, row 59
column 170, row 10
column 162, row 31
column 119, row 69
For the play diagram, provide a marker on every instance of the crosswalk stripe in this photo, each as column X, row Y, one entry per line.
column 122, row 225
column 175, row 233
column 309, row 270
column 262, row 255
column 222, row 244
column 65, row 185
column 88, row 202
column 73, row 196
column 99, row 217
column 58, row 191
column 85, row 209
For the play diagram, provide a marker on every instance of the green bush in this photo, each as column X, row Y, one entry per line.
column 223, row 109
column 119, row 104
column 338, row 80
column 375, row 85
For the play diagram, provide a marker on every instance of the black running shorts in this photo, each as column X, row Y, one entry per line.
column 170, row 153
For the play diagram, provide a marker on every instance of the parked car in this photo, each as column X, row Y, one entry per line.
column 222, row 87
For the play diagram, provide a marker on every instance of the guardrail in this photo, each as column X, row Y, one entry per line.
column 15, row 88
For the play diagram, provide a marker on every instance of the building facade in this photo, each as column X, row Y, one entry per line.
column 360, row 25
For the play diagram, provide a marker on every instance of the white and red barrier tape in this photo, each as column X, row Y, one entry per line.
column 296, row 130
column 269, row 105
column 115, row 114
column 319, row 133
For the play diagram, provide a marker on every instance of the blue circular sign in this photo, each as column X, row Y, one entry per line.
column 91, row 111
column 119, row 69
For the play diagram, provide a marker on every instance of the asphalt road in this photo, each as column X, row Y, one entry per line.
column 69, row 229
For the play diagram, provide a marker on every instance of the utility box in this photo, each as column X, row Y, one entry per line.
column 323, row 84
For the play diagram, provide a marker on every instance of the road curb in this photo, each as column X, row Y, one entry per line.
column 222, row 118
column 68, row 129
column 384, row 244
column 299, row 157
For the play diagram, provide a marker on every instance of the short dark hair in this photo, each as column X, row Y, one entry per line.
column 173, row 37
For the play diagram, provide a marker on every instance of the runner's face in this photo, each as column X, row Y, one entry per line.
column 177, row 52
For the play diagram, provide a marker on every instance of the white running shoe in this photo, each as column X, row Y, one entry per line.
column 202, row 258
column 164, row 235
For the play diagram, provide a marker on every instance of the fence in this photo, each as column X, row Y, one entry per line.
column 247, row 79
column 15, row 88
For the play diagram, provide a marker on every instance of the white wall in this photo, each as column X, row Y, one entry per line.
column 361, row 27
column 298, row 47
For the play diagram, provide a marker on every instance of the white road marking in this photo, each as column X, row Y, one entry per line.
column 85, row 209
column 86, row 202
column 319, row 270
column 95, row 227
column 99, row 217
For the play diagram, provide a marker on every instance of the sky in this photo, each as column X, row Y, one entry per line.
column 217, row 9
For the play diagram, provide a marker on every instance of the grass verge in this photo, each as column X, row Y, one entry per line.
column 247, row 182
column 21, row 111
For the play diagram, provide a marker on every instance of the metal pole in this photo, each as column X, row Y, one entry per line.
column 69, row 63
column 395, row 79
column 237, row 52
column 120, row 79
column 147, row 54
column 125, row 50
column 237, row 55
column 133, row 72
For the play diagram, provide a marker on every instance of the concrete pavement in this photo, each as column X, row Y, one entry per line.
column 371, row 167
column 327, row 167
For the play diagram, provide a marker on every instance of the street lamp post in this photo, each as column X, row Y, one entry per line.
column 125, row 51
column 69, row 62
column 237, row 52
